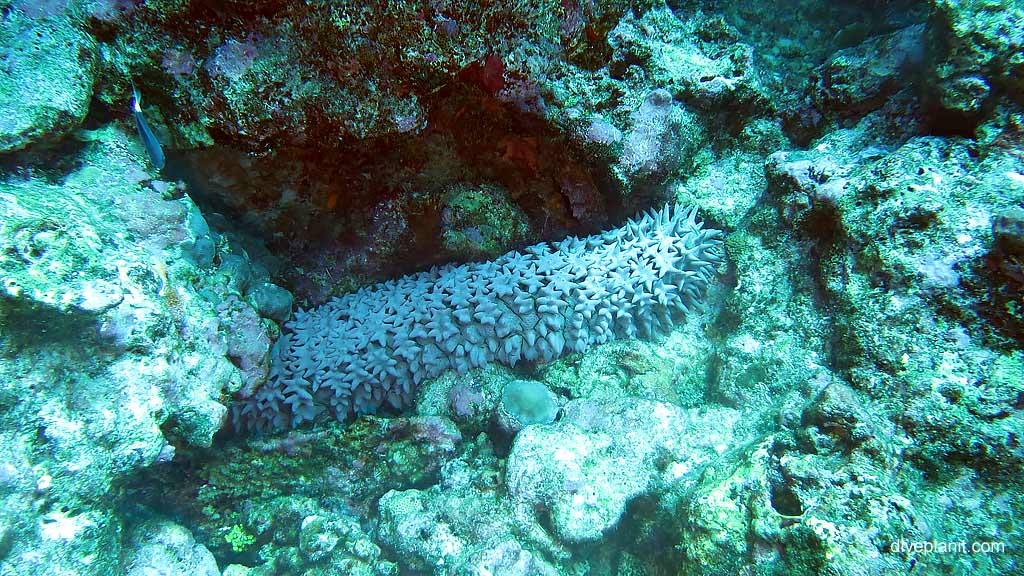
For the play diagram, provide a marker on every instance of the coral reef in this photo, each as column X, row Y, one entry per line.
column 425, row 182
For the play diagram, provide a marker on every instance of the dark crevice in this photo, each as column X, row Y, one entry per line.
column 370, row 210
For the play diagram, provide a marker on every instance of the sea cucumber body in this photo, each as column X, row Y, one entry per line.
column 374, row 346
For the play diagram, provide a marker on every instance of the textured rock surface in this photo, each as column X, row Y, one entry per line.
column 480, row 223
column 463, row 525
column 862, row 77
column 298, row 500
column 163, row 548
column 111, row 353
column 585, row 469
column 983, row 53
column 48, row 74
column 374, row 346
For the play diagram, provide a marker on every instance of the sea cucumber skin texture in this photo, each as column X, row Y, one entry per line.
column 372, row 347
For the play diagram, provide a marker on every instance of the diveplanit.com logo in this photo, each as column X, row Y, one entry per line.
column 947, row 547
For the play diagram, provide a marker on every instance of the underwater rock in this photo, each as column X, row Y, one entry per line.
column 1008, row 229
column 713, row 522
column 480, row 222
column 808, row 185
column 765, row 506
column 651, row 147
column 858, row 79
column 982, row 54
column 468, row 399
column 714, row 69
column 914, row 227
column 318, row 537
column 201, row 251
column 272, row 301
column 163, row 548
column 49, row 67
column 305, row 537
column 509, row 557
column 772, row 354
column 362, row 350
column 913, row 240
column 601, row 454
column 461, row 523
column 340, row 542
column 409, row 527
column 728, row 188
column 836, row 419
column 975, row 425
column 108, row 355
column 248, row 344
column 259, row 83
column 238, row 272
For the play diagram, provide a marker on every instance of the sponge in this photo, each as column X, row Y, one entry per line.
column 373, row 347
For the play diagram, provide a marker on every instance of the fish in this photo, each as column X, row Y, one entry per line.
column 156, row 152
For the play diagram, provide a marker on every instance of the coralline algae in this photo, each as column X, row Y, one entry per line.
column 374, row 346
